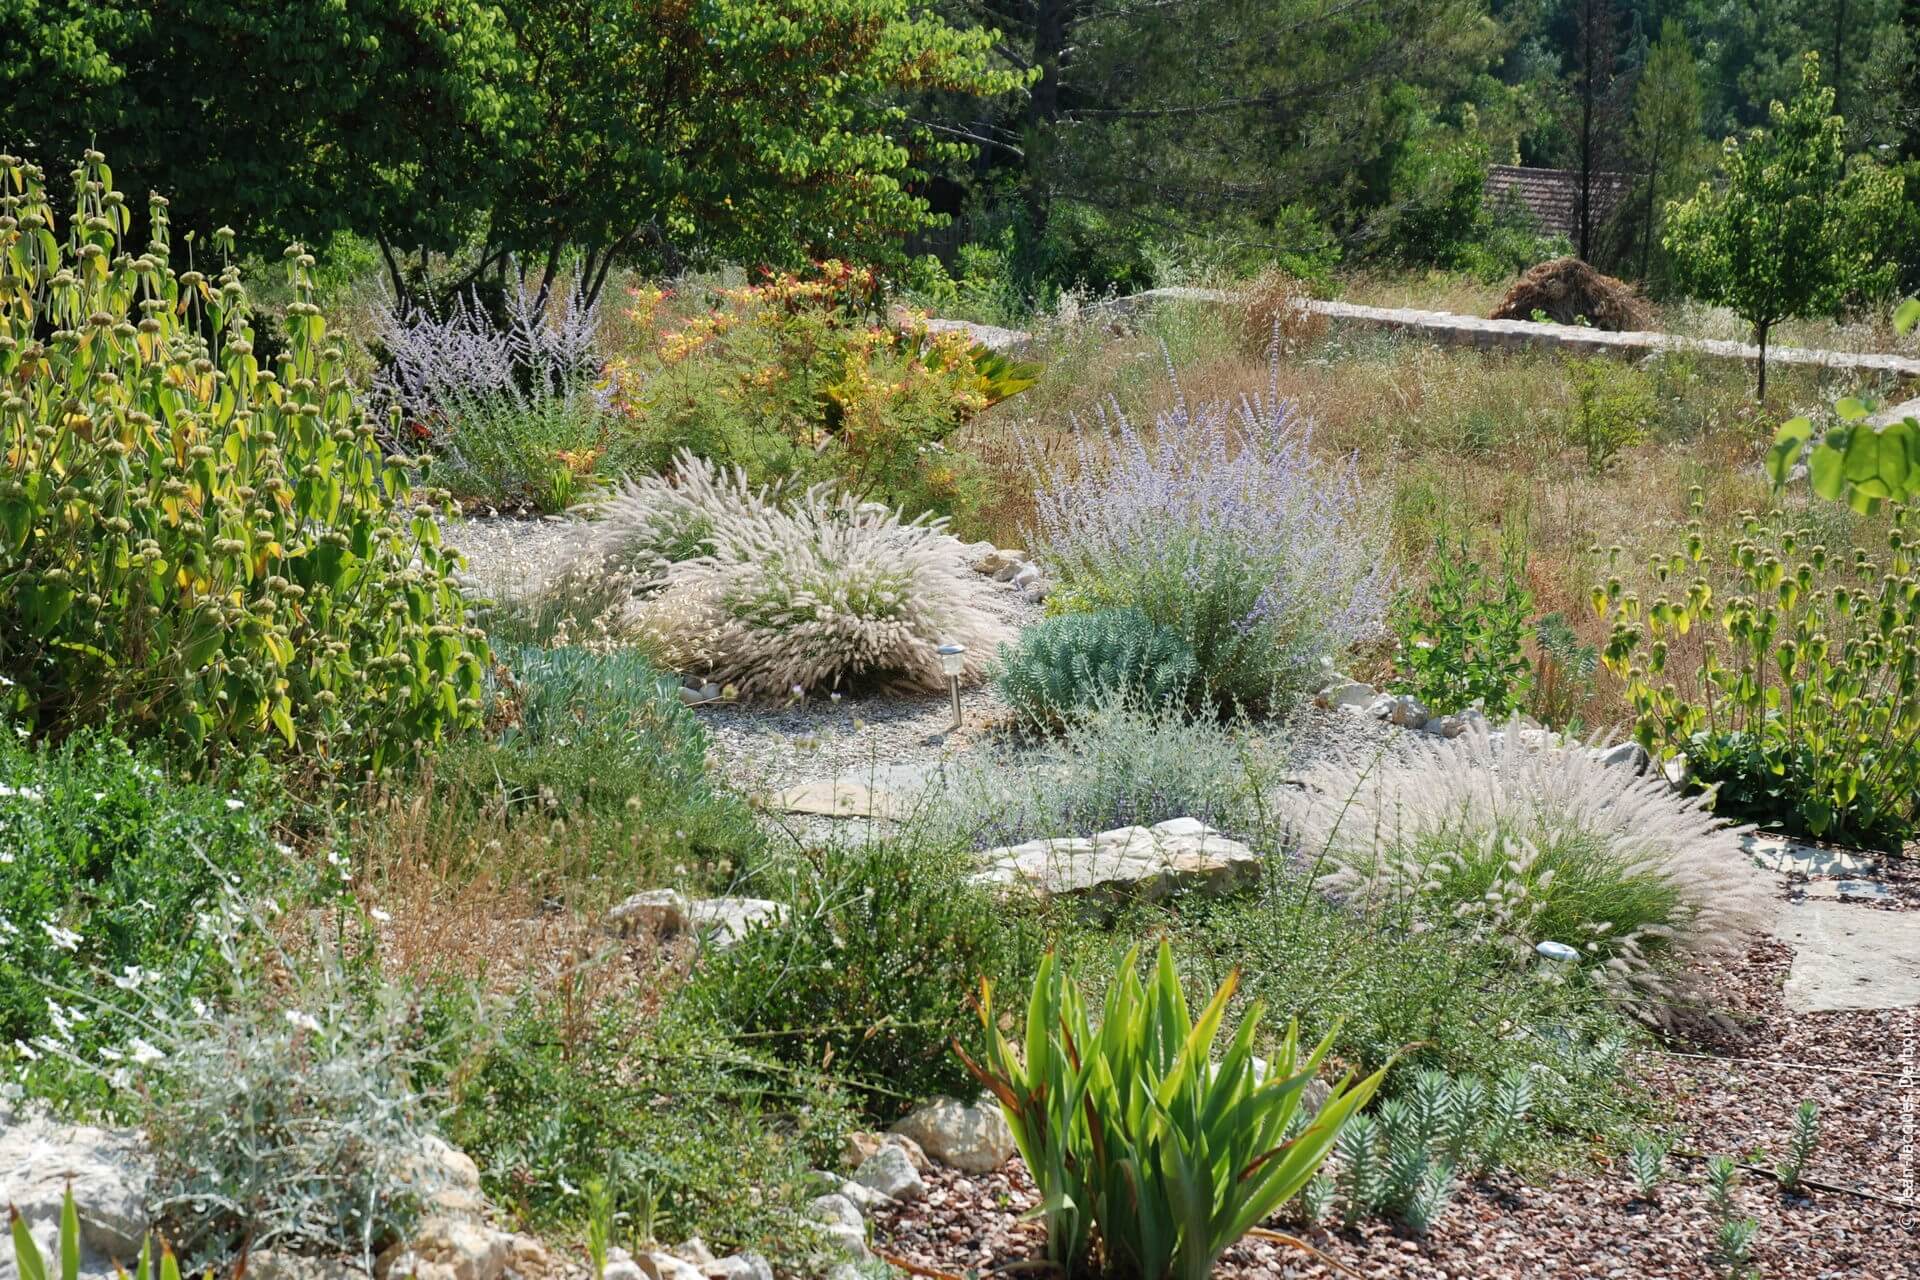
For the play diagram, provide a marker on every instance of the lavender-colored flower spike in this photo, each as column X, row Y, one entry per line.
column 1222, row 523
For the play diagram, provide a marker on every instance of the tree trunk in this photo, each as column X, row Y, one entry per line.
column 1587, row 16
column 1760, row 332
column 1051, row 28
column 1646, row 238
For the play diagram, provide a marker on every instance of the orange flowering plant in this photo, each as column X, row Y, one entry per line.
column 795, row 378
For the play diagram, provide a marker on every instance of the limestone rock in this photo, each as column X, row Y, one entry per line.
column 445, row 1178
column 275, row 1264
column 724, row 921
column 621, row 1266
column 109, row 1171
column 1407, row 711
column 447, row 1248
column 1629, row 755
column 1143, row 862
column 973, row 1138
column 890, row 1173
column 1350, row 694
column 694, row 1250
column 655, row 911
column 741, row 1266
column 997, row 559
column 841, row 1222
column 655, row 1265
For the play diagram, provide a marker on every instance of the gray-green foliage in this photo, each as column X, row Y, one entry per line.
column 1403, row 1160
column 1065, row 665
column 1117, row 765
column 1647, row 1163
column 1802, row 1137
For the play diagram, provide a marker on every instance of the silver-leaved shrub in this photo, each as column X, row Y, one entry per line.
column 1222, row 525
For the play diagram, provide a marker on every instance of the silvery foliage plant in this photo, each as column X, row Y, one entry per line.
column 1222, row 524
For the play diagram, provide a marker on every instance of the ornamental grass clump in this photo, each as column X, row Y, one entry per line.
column 822, row 591
column 1804, row 711
column 1221, row 525
column 1519, row 845
column 198, row 547
column 1151, row 1156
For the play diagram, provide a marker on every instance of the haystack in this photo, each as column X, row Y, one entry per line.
column 1567, row 289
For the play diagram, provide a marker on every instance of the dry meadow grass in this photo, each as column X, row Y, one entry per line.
column 1455, row 440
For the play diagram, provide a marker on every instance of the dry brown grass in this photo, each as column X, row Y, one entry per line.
column 1455, row 440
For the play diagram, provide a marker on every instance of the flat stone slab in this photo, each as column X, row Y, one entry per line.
column 1151, row 863
column 1848, row 956
column 725, row 921
column 889, row 792
column 1851, row 890
column 1778, row 853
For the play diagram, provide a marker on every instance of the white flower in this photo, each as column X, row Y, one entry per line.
column 145, row 1054
column 305, row 1021
column 130, row 980
column 23, row 793
column 65, row 939
column 21, row 1047
column 380, row 916
column 235, row 803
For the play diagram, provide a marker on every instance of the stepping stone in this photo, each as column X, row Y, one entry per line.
column 889, row 792
column 1778, row 853
column 1848, row 957
column 1851, row 890
column 1152, row 863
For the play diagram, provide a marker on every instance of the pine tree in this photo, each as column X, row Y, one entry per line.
column 1665, row 130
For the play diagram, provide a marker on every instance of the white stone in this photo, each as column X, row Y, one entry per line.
column 741, row 1266
column 889, row 1172
column 447, row 1248
column 1037, row 592
column 109, row 1170
column 842, row 1223
column 275, row 1264
column 1630, row 754
column 1408, row 712
column 1381, row 707
column 693, row 1249
column 970, row 1137
column 1790, row 857
column 657, row 911
column 445, row 1178
column 1351, row 694
column 664, row 1266
column 1008, row 571
column 1028, row 575
column 1126, row 862
column 995, row 560
column 621, row 1266
column 721, row 922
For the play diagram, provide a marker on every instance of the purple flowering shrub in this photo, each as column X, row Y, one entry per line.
column 508, row 408
column 1222, row 525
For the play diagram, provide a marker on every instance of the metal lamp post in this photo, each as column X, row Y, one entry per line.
column 953, row 660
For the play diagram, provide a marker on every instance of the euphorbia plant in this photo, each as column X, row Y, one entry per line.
column 1150, row 1156
column 1810, row 716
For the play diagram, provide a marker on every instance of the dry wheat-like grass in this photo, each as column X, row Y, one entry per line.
column 1522, row 844
column 818, row 590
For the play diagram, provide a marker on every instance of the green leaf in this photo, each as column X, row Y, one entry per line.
column 26, row 1253
column 1906, row 316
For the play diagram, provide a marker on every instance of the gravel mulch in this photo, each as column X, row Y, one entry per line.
column 507, row 554
column 1735, row 1098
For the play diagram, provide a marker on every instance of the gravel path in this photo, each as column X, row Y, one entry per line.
column 507, row 555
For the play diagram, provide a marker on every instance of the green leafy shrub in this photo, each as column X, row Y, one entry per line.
column 871, row 973
column 1068, row 664
column 1647, row 1163
column 107, row 867
column 1802, row 1137
column 1809, row 717
column 1151, row 1156
column 1613, row 403
column 1565, row 670
column 1463, row 641
column 201, row 548
column 1521, row 844
column 790, row 380
column 685, row 1129
column 600, row 754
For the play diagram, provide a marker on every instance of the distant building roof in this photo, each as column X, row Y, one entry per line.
column 1552, row 196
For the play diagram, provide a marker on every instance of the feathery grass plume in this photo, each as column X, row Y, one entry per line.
column 653, row 522
column 823, row 590
column 1221, row 524
column 1522, row 844
column 1802, row 1138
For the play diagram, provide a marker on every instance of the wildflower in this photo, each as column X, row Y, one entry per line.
column 65, row 939
column 235, row 804
column 380, row 916
column 304, row 1021
column 145, row 1054
column 20, row 793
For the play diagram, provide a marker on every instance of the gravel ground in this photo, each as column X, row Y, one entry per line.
column 1733, row 1095
column 507, row 555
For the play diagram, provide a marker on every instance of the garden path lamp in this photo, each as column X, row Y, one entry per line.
column 953, row 660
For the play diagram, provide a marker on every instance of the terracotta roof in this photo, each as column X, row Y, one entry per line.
column 1552, row 196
